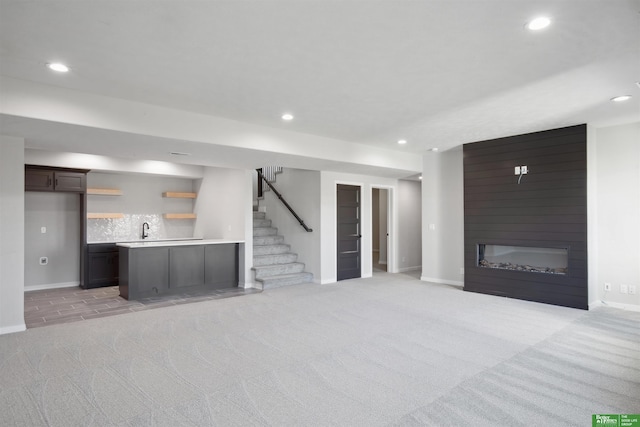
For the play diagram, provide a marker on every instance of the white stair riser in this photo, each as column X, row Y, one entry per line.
column 258, row 215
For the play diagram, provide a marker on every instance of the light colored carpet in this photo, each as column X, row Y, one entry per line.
column 384, row 351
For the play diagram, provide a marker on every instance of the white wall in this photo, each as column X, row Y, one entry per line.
column 409, row 225
column 11, row 234
column 224, row 211
column 443, row 217
column 328, row 188
column 301, row 189
column 59, row 213
column 614, row 198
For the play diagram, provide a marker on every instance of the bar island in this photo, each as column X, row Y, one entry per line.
column 155, row 268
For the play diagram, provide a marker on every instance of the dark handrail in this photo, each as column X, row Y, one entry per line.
column 262, row 178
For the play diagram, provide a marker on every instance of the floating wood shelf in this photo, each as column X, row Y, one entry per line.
column 104, row 215
column 179, row 216
column 104, row 191
column 179, row 195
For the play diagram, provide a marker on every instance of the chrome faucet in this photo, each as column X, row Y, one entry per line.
column 145, row 233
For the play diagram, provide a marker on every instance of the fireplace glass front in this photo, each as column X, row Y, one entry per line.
column 524, row 258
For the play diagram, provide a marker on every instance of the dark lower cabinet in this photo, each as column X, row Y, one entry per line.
column 102, row 267
column 152, row 271
column 221, row 266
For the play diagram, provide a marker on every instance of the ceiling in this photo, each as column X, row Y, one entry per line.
column 435, row 73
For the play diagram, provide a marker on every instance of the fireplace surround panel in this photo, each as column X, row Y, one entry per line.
column 526, row 237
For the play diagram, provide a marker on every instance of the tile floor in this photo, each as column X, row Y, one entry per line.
column 63, row 305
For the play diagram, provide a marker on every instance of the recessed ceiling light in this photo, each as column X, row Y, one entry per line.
column 402, row 141
column 435, row 149
column 287, row 117
column 621, row 98
column 538, row 23
column 57, row 66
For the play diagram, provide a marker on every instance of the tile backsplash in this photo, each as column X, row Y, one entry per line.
column 130, row 228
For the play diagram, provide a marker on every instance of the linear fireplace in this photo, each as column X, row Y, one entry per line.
column 524, row 258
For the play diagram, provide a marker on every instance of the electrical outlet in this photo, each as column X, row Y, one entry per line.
column 461, row 270
column 43, row 230
column 624, row 289
column 607, row 287
column 632, row 289
column 524, row 170
column 44, row 260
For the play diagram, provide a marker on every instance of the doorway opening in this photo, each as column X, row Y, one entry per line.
column 380, row 229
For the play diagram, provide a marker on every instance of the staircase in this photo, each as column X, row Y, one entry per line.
column 273, row 262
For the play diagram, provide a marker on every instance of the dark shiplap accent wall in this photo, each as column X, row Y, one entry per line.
column 547, row 209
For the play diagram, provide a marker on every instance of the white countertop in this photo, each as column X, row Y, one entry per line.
column 146, row 240
column 182, row 242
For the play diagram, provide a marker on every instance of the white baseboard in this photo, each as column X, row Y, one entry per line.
column 618, row 305
column 405, row 269
column 442, row 281
column 13, row 329
column 51, row 286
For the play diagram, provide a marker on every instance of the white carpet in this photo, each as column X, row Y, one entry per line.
column 389, row 350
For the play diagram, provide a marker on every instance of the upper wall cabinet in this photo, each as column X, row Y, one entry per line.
column 38, row 178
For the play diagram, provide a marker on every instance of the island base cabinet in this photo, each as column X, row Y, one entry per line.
column 186, row 266
column 144, row 272
column 221, row 266
column 147, row 272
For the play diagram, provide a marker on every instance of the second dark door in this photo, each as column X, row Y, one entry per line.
column 349, row 250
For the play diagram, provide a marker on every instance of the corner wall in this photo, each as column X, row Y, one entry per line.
column 443, row 218
column 224, row 211
column 409, row 225
column 11, row 234
column 614, row 202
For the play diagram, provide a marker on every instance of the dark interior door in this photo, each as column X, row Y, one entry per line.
column 349, row 250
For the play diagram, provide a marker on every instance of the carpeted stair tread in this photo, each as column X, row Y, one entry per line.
column 268, row 240
column 285, row 280
column 274, row 259
column 264, row 231
column 278, row 269
column 274, row 249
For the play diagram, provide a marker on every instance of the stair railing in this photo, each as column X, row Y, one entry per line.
column 261, row 177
